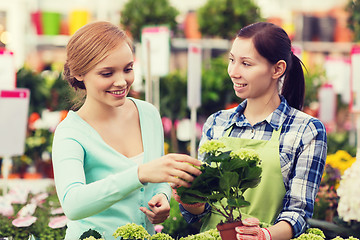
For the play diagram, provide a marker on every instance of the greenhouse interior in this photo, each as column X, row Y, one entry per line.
column 181, row 67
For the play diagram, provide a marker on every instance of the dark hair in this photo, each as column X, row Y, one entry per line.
column 273, row 43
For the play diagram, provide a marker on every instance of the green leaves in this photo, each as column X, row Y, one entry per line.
column 226, row 175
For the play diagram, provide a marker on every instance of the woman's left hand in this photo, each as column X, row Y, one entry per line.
column 252, row 231
column 159, row 209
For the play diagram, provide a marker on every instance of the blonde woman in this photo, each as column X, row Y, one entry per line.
column 109, row 167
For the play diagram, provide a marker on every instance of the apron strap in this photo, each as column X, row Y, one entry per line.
column 274, row 137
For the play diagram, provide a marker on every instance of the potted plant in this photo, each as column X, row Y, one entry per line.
column 353, row 8
column 223, row 18
column 226, row 175
column 138, row 13
column 132, row 231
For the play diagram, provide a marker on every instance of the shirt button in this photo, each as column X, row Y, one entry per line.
column 141, row 189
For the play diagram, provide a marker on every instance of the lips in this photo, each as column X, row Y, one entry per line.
column 118, row 93
column 240, row 85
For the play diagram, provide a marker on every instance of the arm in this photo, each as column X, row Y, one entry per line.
column 80, row 199
column 304, row 177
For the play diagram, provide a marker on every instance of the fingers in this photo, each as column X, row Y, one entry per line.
column 251, row 222
column 159, row 209
column 249, row 230
column 186, row 158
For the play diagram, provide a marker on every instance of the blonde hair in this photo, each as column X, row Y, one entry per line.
column 89, row 46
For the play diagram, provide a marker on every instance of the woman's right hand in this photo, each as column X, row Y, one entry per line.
column 172, row 168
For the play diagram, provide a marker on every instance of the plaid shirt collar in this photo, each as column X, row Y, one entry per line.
column 275, row 119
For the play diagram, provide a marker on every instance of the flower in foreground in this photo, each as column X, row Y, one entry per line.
column 212, row 147
column 246, row 154
column 131, row 231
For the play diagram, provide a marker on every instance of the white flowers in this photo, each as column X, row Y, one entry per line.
column 349, row 192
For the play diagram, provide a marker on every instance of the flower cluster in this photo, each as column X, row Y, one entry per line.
column 349, row 192
column 211, row 147
column 131, row 231
column 317, row 234
column 211, row 234
column 246, row 154
column 341, row 160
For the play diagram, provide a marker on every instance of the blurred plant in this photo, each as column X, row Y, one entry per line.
column 40, row 229
column 327, row 198
column 326, row 203
column 136, row 14
column 349, row 192
column 175, row 225
column 224, row 18
column 341, row 160
column 217, row 88
column 39, row 92
column 131, row 231
column 314, row 78
column 353, row 8
column 340, row 140
column 211, row 234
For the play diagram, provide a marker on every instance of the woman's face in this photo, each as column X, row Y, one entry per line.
column 109, row 82
column 251, row 74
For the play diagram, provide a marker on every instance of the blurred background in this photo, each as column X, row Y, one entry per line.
column 325, row 35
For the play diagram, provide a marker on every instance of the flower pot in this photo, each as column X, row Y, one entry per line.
column 227, row 230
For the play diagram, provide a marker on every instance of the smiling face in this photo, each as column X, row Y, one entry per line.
column 251, row 74
column 109, row 82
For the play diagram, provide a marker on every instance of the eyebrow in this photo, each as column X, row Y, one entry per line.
column 110, row 68
column 242, row 58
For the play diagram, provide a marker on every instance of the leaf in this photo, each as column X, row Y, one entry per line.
column 229, row 180
column 238, row 202
column 234, row 165
column 253, row 173
column 249, row 184
column 220, row 158
column 90, row 233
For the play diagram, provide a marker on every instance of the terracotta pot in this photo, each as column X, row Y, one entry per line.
column 227, row 230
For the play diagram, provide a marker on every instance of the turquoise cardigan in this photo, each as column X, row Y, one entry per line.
column 97, row 186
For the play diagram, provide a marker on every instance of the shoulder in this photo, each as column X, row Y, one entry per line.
column 71, row 127
column 145, row 107
column 306, row 125
column 223, row 116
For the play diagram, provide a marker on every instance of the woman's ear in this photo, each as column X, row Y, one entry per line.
column 279, row 69
column 80, row 78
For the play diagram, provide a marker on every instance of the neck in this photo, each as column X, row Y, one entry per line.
column 258, row 110
column 99, row 113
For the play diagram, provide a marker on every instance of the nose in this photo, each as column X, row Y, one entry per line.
column 234, row 70
column 119, row 80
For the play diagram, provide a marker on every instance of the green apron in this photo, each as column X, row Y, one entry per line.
column 267, row 198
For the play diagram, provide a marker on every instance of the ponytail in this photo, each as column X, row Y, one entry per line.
column 293, row 88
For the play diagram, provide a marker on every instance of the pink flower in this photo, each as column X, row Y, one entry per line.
column 167, row 124
column 158, row 228
column 24, row 221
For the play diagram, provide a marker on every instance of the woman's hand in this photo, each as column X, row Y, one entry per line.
column 252, row 231
column 159, row 209
column 172, row 168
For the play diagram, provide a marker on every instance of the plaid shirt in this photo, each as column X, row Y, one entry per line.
column 302, row 150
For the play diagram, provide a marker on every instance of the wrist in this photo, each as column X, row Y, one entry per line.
column 267, row 233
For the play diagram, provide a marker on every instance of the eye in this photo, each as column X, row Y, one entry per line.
column 246, row 64
column 129, row 69
column 106, row 74
column 231, row 59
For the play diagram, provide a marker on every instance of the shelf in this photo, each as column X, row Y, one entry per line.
column 222, row 44
column 183, row 43
column 323, row 47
